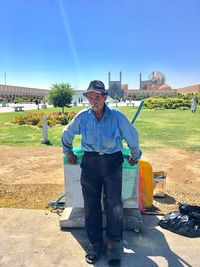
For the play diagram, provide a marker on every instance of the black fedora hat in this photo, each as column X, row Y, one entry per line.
column 96, row 87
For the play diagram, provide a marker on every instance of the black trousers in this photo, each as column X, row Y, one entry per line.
column 102, row 172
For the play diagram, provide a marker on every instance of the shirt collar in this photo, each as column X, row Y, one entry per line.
column 106, row 111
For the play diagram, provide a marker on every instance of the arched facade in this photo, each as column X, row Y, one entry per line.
column 9, row 92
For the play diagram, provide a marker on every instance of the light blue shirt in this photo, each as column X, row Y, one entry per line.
column 103, row 136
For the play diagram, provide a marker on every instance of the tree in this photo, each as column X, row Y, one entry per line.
column 117, row 99
column 61, row 95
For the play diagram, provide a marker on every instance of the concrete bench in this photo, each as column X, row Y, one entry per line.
column 85, row 104
column 130, row 104
column 18, row 108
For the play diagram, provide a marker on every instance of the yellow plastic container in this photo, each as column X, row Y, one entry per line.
column 146, row 176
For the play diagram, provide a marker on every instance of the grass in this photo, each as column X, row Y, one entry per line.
column 157, row 129
column 169, row 128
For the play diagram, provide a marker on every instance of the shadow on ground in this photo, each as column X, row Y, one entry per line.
column 147, row 248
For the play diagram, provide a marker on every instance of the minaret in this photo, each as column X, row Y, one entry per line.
column 5, row 78
column 153, row 73
column 109, row 79
column 140, row 79
column 120, row 78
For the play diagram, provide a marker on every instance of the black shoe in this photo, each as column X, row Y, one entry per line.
column 92, row 253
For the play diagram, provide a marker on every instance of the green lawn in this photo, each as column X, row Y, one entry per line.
column 157, row 129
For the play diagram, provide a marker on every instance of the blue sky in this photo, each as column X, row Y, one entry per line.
column 47, row 41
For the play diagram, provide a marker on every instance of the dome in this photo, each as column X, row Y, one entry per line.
column 157, row 77
column 165, row 87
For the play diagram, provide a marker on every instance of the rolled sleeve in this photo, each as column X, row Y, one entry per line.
column 130, row 135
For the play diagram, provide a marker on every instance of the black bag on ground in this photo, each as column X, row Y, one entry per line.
column 185, row 222
column 186, row 209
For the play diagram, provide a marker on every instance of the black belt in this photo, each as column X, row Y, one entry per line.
column 100, row 153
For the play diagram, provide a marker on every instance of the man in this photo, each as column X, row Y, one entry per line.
column 194, row 104
column 102, row 130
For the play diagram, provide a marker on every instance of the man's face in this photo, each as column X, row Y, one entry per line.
column 96, row 101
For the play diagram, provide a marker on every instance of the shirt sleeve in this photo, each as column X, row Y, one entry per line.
column 130, row 135
column 68, row 134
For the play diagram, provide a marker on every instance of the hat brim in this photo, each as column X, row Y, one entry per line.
column 94, row 91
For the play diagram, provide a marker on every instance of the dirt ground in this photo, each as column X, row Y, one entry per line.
column 31, row 177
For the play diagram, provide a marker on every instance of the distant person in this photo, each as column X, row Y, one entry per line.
column 102, row 130
column 37, row 102
column 194, row 104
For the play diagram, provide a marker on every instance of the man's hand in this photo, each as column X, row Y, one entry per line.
column 132, row 161
column 72, row 159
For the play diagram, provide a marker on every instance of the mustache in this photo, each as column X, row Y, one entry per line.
column 96, row 106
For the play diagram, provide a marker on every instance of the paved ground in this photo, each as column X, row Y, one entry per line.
column 10, row 107
column 33, row 238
